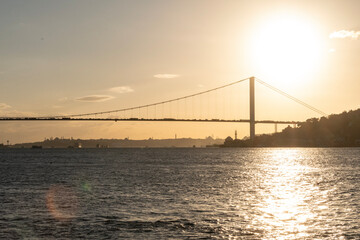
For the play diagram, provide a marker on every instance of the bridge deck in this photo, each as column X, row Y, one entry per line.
column 144, row 120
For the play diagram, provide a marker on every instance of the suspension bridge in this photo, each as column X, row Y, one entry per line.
column 150, row 112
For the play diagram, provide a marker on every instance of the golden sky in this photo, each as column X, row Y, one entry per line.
column 69, row 57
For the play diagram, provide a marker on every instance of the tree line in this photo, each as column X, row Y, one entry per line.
column 336, row 130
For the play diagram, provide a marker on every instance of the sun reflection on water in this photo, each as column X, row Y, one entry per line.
column 285, row 207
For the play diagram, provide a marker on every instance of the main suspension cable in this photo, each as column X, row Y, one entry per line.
column 153, row 104
column 291, row 97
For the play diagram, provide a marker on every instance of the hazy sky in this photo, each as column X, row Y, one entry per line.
column 77, row 56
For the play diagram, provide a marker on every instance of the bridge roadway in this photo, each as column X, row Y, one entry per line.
column 142, row 120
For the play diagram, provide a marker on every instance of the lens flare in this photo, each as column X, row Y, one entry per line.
column 85, row 186
column 61, row 202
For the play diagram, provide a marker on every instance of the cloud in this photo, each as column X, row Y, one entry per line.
column 94, row 98
column 121, row 89
column 63, row 99
column 345, row 34
column 8, row 111
column 15, row 113
column 166, row 75
column 4, row 106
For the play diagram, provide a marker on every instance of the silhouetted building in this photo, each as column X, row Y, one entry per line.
column 77, row 145
column 228, row 141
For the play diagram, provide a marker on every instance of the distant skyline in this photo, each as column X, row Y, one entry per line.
column 76, row 56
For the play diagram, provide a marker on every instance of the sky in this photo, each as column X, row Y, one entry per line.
column 76, row 56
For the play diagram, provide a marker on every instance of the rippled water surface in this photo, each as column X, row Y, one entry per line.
column 180, row 193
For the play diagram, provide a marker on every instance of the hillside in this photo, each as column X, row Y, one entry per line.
column 120, row 143
column 336, row 130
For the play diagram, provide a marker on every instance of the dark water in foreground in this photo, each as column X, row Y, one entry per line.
column 180, row 193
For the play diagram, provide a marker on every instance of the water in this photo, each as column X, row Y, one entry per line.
column 180, row 193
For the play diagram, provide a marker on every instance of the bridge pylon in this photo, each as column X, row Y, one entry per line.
column 252, row 107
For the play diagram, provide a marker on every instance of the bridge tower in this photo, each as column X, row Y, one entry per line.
column 252, row 107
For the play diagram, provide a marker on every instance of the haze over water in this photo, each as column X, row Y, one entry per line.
column 63, row 58
column 180, row 193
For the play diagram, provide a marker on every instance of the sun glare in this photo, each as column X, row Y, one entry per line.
column 286, row 48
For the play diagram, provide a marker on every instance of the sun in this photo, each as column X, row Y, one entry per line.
column 286, row 49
